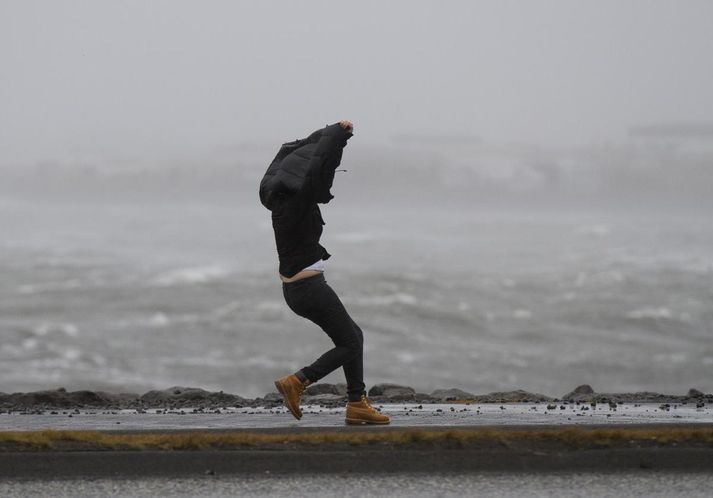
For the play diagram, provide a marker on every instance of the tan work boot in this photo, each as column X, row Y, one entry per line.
column 361, row 412
column 291, row 388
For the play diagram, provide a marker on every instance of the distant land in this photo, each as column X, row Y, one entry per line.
column 668, row 163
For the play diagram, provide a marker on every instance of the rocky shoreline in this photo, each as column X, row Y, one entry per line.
column 324, row 394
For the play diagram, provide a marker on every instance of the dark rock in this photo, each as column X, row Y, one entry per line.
column 123, row 399
column 325, row 394
column 581, row 393
column 322, row 398
column 185, row 396
column 518, row 396
column 326, row 388
column 173, row 393
column 390, row 390
column 60, row 398
column 637, row 397
column 451, row 395
column 92, row 398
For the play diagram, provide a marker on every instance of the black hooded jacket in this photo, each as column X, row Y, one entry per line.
column 299, row 178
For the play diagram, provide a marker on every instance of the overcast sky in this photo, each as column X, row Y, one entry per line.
column 165, row 78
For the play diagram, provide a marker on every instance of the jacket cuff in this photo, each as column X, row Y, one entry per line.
column 337, row 131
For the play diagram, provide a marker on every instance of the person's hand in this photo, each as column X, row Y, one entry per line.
column 347, row 125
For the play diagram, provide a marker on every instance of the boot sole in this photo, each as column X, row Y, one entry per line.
column 297, row 415
column 358, row 421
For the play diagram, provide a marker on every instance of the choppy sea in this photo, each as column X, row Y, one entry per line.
column 135, row 297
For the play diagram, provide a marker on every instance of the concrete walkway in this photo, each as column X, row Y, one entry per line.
column 402, row 415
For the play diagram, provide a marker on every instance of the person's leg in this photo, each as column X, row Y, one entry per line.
column 354, row 370
column 314, row 299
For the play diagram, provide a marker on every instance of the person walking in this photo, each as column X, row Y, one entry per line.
column 298, row 179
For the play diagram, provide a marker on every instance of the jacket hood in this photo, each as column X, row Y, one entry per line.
column 292, row 166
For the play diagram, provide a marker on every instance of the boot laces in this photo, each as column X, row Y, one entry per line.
column 366, row 401
column 303, row 386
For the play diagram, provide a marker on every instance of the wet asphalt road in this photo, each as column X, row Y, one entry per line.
column 494, row 484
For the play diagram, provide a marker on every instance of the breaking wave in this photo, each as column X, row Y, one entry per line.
column 191, row 275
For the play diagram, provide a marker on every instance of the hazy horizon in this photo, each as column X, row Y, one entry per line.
column 136, row 81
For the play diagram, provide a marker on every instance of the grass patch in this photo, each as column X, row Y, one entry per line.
column 573, row 437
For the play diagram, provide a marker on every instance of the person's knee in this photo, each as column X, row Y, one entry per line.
column 355, row 346
column 358, row 333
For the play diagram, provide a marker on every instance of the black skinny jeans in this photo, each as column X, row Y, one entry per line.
column 314, row 299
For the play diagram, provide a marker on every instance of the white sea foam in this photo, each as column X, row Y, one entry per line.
column 261, row 361
column 201, row 361
column 650, row 313
column 509, row 283
column 30, row 343
column 46, row 328
column 226, row 309
column 675, row 357
column 10, row 351
column 515, row 361
column 270, row 306
column 568, row 296
column 98, row 360
column 191, row 275
column 405, row 357
column 70, row 329
column 600, row 277
column 71, row 354
column 48, row 286
column 522, row 314
column 414, row 276
column 159, row 320
column 389, row 299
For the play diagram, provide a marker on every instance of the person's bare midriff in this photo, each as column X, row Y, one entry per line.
column 300, row 275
